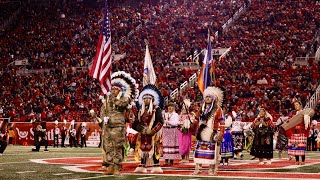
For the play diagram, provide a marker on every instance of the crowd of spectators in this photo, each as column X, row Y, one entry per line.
column 260, row 69
column 271, row 37
column 60, row 94
column 71, row 42
column 7, row 9
column 264, row 41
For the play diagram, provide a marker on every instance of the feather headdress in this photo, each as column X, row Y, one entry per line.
column 127, row 85
column 152, row 92
column 214, row 92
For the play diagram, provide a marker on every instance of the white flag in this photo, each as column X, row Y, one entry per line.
column 149, row 76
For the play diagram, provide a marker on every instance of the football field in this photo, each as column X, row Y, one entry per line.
column 18, row 162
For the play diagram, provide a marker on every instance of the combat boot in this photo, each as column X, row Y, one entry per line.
column 110, row 170
column 116, row 170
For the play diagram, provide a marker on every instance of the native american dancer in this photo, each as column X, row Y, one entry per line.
column 211, row 121
column 170, row 135
column 297, row 130
column 148, row 123
column 227, row 145
column 249, row 135
column 185, row 131
column 263, row 129
column 237, row 135
column 281, row 139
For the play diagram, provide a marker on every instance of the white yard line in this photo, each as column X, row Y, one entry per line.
column 51, row 152
column 146, row 177
column 223, row 177
column 59, row 174
column 22, row 172
column 43, row 161
column 21, row 162
column 94, row 177
column 150, row 176
column 76, row 168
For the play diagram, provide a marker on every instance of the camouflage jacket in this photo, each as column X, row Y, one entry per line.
column 114, row 109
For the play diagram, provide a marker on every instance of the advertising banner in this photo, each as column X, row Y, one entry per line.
column 24, row 133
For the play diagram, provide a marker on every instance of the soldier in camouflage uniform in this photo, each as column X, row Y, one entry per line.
column 123, row 93
column 115, row 130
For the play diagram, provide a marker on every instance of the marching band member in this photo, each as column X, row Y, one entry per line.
column 63, row 132
column 83, row 134
column 313, row 134
column 56, row 134
column 72, row 135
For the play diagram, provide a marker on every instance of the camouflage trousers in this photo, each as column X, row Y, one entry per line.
column 112, row 142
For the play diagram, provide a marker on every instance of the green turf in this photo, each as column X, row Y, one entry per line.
column 17, row 158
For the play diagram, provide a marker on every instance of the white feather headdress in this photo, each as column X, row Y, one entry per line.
column 153, row 92
column 214, row 92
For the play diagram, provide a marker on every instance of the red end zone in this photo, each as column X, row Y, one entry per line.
column 238, row 168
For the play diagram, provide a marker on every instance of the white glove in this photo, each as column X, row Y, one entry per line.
column 119, row 95
column 106, row 119
column 306, row 119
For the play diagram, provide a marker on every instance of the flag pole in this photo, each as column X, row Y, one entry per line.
column 205, row 73
column 214, row 77
column 146, row 41
column 213, row 74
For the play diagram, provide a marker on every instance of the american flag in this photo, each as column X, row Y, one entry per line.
column 101, row 67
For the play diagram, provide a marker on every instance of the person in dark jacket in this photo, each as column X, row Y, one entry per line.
column 40, row 139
